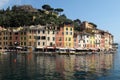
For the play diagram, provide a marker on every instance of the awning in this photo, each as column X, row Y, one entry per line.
column 72, row 48
column 79, row 48
column 19, row 47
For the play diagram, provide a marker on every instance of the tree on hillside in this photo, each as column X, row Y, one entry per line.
column 62, row 19
column 46, row 7
column 14, row 8
column 77, row 24
column 59, row 10
column 78, row 21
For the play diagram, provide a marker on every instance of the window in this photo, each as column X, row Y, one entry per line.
column 51, row 44
column 4, row 43
column 43, row 31
column 24, row 33
column 21, row 33
column 62, row 33
column 10, row 43
column 48, row 38
column 38, row 37
column 53, row 38
column 70, row 33
column 69, row 39
column 38, row 31
column 21, row 43
column 60, row 39
column 16, row 38
column 24, row 43
column 53, row 32
column 43, row 37
column 84, row 45
column 38, row 43
column 24, row 38
column 66, row 28
column 83, row 41
column 70, row 29
column 43, row 43
column 10, row 38
column 66, row 33
column 87, row 36
column 87, row 40
column 4, row 38
column 48, row 32
column 30, row 37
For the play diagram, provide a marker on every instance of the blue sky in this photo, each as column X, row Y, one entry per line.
column 104, row 13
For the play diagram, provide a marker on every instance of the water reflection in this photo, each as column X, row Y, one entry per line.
column 59, row 67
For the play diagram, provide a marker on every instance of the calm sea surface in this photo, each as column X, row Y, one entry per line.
column 60, row 67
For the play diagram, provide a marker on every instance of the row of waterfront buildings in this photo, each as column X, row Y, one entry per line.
column 64, row 36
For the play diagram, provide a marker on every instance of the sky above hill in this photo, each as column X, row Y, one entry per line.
column 104, row 13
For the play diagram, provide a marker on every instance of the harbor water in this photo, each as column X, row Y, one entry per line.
column 60, row 67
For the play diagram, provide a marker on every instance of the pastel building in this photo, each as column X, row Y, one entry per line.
column 111, row 41
column 10, row 37
column 64, row 36
column 43, row 36
column 83, row 41
column 92, row 41
column 23, row 37
column 16, row 37
column 31, row 37
column 50, row 35
column 76, row 41
column 106, row 34
column 68, row 36
column 102, row 41
column 6, row 39
column 87, row 26
column 60, row 37
column 97, row 38
column 3, row 38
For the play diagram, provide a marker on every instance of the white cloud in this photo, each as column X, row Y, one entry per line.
column 3, row 2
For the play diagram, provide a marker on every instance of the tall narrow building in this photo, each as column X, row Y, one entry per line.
column 64, row 36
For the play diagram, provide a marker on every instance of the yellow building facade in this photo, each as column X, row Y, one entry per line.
column 92, row 41
column 68, row 36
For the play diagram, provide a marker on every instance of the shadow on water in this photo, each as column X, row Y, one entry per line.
column 15, row 66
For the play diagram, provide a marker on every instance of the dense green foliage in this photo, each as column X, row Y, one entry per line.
column 26, row 15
